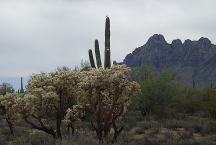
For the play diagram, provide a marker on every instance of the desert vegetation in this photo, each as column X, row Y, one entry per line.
column 101, row 104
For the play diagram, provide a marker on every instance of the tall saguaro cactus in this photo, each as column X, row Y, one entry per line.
column 21, row 83
column 107, row 60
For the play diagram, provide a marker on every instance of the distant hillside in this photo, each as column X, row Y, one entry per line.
column 193, row 60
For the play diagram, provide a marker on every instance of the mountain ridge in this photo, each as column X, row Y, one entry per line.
column 192, row 60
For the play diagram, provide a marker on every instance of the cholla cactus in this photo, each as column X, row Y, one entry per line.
column 72, row 115
column 8, row 109
column 108, row 93
column 49, row 97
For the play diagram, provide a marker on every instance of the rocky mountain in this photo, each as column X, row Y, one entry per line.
column 192, row 60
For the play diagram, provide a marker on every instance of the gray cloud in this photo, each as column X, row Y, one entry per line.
column 39, row 35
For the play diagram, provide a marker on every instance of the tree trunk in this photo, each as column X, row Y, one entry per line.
column 98, row 131
column 116, row 132
column 58, row 125
column 70, row 126
column 42, row 127
column 10, row 125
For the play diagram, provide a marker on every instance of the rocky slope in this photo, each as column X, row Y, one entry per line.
column 193, row 60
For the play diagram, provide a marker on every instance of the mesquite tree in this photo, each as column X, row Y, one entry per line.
column 107, row 92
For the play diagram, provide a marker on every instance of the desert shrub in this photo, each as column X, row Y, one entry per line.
column 195, row 101
column 188, row 100
column 7, row 109
column 157, row 92
column 6, row 88
column 162, row 94
column 50, row 95
column 148, row 124
column 209, row 101
column 107, row 94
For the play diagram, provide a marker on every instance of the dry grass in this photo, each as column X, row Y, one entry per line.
column 146, row 131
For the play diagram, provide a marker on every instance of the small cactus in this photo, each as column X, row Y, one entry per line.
column 21, row 89
column 194, row 84
column 211, row 85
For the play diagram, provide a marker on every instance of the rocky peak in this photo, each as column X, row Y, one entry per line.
column 156, row 39
column 177, row 43
column 204, row 42
column 188, row 43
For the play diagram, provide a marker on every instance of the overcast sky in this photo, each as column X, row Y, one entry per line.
column 40, row 35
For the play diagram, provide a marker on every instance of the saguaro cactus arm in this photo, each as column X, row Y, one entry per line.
column 97, row 54
column 91, row 58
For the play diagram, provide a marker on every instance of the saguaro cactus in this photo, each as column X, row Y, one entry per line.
column 194, row 84
column 211, row 85
column 107, row 60
column 21, row 89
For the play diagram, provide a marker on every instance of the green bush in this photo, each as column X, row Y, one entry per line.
column 157, row 93
column 209, row 101
column 188, row 100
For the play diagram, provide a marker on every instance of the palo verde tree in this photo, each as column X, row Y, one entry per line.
column 49, row 97
column 107, row 93
column 107, row 60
